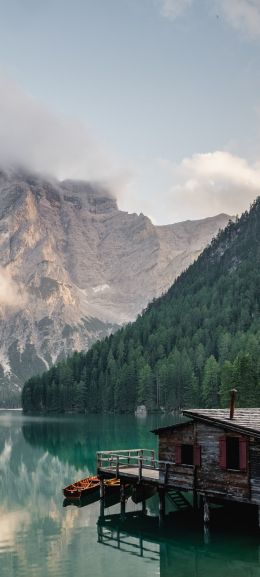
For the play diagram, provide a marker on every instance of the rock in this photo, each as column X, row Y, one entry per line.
column 141, row 411
column 73, row 267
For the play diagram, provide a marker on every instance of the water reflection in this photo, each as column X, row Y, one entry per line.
column 41, row 538
column 180, row 548
column 76, row 440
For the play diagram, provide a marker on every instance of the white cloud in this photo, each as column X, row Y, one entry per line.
column 173, row 8
column 207, row 184
column 30, row 135
column 243, row 15
column 199, row 186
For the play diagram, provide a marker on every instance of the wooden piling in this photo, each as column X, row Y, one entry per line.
column 102, row 497
column 122, row 499
column 161, row 506
column 195, row 501
column 206, row 512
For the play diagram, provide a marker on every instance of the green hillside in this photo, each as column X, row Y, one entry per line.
column 188, row 348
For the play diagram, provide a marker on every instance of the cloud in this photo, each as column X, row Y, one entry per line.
column 243, row 15
column 173, row 8
column 206, row 184
column 30, row 135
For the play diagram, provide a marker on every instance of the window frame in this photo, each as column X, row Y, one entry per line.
column 243, row 453
column 196, row 455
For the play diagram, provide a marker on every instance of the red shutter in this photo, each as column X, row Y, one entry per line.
column 242, row 454
column 222, row 453
column 178, row 454
column 197, row 455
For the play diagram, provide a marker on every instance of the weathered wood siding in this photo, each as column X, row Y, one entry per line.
column 254, row 456
column 180, row 476
column 211, row 478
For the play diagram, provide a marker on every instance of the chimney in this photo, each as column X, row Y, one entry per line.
column 232, row 402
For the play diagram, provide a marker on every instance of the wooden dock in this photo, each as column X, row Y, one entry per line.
column 140, row 469
column 134, row 465
column 140, row 466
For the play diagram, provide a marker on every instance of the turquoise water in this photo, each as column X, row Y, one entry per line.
column 40, row 537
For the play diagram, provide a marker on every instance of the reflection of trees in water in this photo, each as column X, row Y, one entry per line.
column 39, row 537
column 77, row 440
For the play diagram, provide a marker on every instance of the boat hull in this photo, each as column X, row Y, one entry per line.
column 90, row 486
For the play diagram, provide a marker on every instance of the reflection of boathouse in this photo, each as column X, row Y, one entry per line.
column 215, row 455
column 179, row 549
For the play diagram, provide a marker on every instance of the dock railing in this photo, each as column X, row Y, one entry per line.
column 141, row 459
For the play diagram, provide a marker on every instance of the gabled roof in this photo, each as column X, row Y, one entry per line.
column 169, row 427
column 245, row 421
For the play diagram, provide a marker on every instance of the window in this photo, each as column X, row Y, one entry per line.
column 186, row 454
column 233, row 453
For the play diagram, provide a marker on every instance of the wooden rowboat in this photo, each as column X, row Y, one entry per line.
column 89, row 485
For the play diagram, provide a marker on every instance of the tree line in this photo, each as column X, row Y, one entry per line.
column 188, row 348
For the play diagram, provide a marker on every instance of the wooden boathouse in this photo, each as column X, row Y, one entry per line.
column 215, row 455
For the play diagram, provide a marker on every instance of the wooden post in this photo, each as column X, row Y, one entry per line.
column 102, row 488
column 144, row 507
column 206, row 512
column 161, row 506
column 195, row 500
column 206, row 518
column 166, row 474
column 100, row 533
column 117, row 467
column 122, row 500
column 102, row 498
column 140, row 467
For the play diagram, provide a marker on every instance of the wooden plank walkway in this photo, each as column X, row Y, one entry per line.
column 133, row 472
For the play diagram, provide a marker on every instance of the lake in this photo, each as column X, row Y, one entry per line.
column 40, row 537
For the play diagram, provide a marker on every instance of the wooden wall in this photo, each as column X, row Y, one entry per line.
column 254, row 456
column 179, row 475
column 209, row 478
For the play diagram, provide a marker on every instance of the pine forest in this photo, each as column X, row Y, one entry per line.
column 187, row 349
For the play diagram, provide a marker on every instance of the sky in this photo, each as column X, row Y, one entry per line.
column 158, row 99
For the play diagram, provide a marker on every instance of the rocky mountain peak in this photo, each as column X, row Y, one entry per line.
column 75, row 267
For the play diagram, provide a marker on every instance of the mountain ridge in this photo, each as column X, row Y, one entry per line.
column 76, row 267
column 188, row 348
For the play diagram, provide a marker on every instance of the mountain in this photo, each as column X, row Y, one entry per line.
column 73, row 268
column 189, row 347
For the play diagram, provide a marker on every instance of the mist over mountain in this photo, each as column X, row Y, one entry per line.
column 73, row 267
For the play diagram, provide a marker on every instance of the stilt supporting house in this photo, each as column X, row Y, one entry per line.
column 102, row 498
column 122, row 499
column 195, row 501
column 161, row 493
column 206, row 513
column 214, row 455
